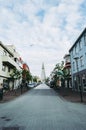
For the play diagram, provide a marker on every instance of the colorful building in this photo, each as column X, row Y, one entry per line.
column 78, row 62
column 67, row 68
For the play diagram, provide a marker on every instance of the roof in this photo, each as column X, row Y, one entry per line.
column 66, row 55
column 6, row 49
column 78, row 39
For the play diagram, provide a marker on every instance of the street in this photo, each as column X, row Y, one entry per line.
column 42, row 109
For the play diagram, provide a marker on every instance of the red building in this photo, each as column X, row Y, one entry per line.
column 25, row 67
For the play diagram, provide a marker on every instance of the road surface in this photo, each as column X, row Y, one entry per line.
column 42, row 109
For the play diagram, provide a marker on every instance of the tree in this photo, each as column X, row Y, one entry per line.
column 47, row 79
column 59, row 66
column 35, row 78
column 58, row 73
column 26, row 75
column 67, row 76
column 16, row 74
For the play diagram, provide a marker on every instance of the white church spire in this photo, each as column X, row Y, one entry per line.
column 43, row 76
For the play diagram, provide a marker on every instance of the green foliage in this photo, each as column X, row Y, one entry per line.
column 59, row 66
column 60, row 73
column 35, row 78
column 47, row 79
column 16, row 74
column 66, row 73
column 58, row 70
column 26, row 75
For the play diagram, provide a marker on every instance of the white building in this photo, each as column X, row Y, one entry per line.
column 78, row 62
column 43, row 76
column 9, row 60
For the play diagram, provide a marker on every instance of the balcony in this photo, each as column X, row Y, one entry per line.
column 9, row 62
column 76, row 55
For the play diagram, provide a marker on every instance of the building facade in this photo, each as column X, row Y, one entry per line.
column 67, row 68
column 9, row 59
column 78, row 62
column 25, row 67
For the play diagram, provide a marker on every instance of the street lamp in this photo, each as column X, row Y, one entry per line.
column 79, row 85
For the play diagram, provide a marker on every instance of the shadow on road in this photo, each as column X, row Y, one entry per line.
column 43, row 92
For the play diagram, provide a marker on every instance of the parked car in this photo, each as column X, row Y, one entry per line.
column 31, row 85
column 5, row 86
column 52, row 84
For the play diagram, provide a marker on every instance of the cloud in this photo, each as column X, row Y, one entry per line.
column 42, row 31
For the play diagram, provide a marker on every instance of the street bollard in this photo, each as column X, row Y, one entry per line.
column 1, row 94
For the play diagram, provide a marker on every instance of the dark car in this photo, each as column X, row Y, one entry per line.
column 51, row 84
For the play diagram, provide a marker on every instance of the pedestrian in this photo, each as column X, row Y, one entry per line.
column 27, row 85
column 1, row 91
column 21, row 87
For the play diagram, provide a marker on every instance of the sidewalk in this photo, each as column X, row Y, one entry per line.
column 10, row 95
column 71, row 95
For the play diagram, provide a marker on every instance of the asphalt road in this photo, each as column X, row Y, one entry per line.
column 42, row 109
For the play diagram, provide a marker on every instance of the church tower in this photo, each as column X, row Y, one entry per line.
column 43, row 76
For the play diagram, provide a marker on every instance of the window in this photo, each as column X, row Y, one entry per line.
column 14, row 50
column 85, row 55
column 85, row 39
column 10, row 55
column 5, row 53
column 81, row 61
column 80, row 45
column 8, row 69
column 76, row 49
column 3, row 67
column 73, row 66
column 73, row 51
column 15, row 59
column 1, row 53
column 84, row 78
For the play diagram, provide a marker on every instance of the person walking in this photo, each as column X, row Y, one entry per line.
column 21, row 87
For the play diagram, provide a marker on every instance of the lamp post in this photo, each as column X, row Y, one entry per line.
column 79, row 85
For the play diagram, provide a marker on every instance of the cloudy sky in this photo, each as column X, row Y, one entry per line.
column 41, row 30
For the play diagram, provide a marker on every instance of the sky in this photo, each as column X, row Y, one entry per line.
column 42, row 31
